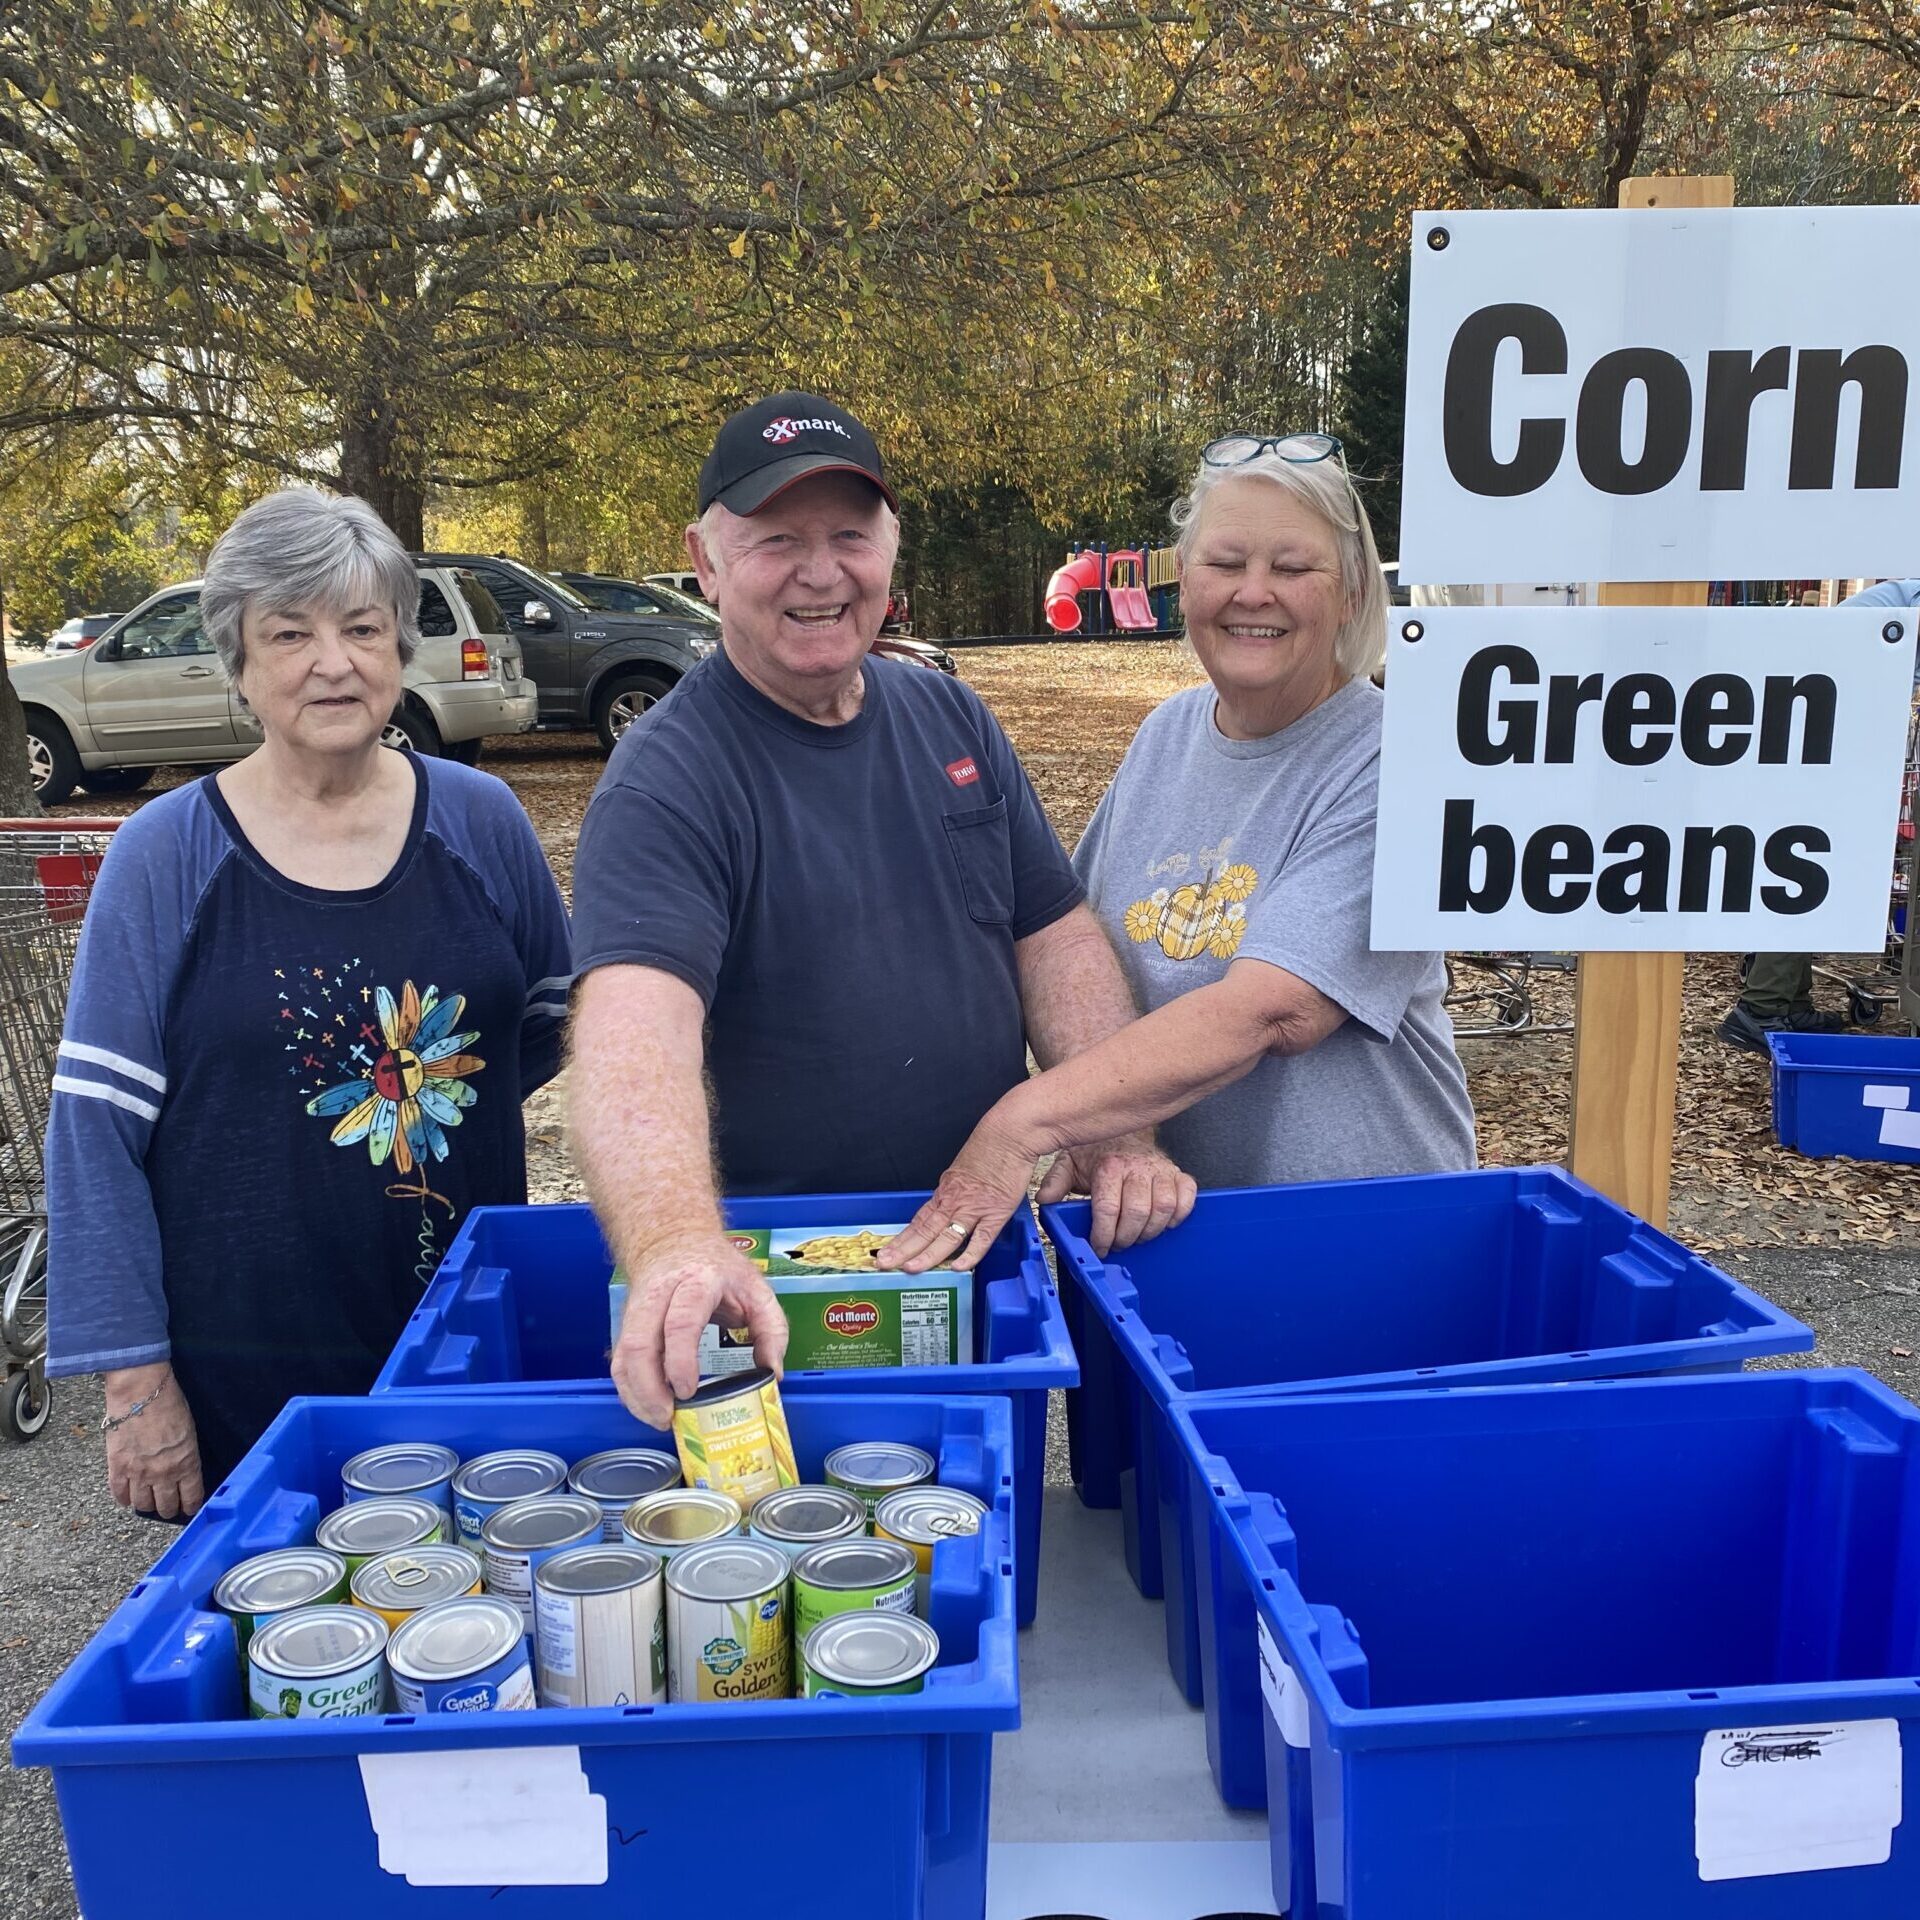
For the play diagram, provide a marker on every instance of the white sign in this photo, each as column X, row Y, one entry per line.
column 1641, row 780
column 1772, row 1800
column 1662, row 394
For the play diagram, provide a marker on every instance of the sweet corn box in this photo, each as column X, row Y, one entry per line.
column 842, row 1311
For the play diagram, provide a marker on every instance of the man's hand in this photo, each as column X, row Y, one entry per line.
column 676, row 1291
column 976, row 1197
column 1137, row 1192
column 153, row 1460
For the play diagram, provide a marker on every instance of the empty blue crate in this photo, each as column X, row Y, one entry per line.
column 1440, row 1279
column 1631, row 1647
column 1850, row 1093
column 175, row 1803
column 520, row 1305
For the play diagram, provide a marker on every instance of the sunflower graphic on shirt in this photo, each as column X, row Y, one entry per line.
column 1185, row 922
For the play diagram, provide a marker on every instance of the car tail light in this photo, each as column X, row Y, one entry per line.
column 85, row 640
column 475, row 662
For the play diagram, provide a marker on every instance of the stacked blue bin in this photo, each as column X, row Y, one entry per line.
column 1479, row 1278
column 520, row 1306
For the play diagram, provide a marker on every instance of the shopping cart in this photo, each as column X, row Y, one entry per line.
column 46, row 874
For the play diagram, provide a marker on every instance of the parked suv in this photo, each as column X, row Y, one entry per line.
column 81, row 631
column 594, row 668
column 151, row 693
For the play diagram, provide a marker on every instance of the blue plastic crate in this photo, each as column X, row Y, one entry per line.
column 1366, row 1285
column 174, row 1806
column 1847, row 1093
column 520, row 1304
column 1539, row 1609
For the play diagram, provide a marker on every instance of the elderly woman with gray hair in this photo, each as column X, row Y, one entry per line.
column 312, row 990
column 1231, row 863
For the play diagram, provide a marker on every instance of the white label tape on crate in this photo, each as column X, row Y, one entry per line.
column 487, row 1817
column 1884, row 1096
column 1286, row 1698
column 1771, row 1800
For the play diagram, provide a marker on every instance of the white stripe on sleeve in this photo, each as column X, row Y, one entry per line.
column 98, row 1090
column 114, row 1063
column 560, row 980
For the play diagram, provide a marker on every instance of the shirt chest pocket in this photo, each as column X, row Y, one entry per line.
column 982, row 848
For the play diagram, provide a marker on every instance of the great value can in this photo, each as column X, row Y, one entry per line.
column 463, row 1656
column 369, row 1528
column 600, row 1628
column 417, row 1467
column 519, row 1537
column 727, row 1636
column 407, row 1581
column 875, row 1468
column 867, row 1654
column 317, row 1663
column 851, row 1576
column 256, row 1590
column 799, row 1517
column 494, row 1480
column 920, row 1519
column 619, row 1477
column 732, row 1436
column 681, row 1517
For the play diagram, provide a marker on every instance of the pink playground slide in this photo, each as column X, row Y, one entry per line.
column 1131, row 604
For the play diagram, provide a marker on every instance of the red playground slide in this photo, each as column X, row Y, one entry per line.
column 1063, row 606
column 1127, row 595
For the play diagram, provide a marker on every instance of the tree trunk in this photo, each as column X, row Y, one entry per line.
column 18, row 800
column 376, row 463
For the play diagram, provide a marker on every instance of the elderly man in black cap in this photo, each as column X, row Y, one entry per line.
column 819, row 915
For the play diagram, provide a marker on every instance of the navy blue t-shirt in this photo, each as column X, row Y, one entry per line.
column 845, row 900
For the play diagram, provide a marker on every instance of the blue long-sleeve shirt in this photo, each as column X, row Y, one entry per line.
column 273, row 1104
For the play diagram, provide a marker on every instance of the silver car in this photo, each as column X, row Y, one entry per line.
column 150, row 693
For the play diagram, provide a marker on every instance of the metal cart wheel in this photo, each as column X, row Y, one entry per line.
column 27, row 1404
column 1863, row 1008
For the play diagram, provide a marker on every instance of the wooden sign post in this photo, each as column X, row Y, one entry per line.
column 1626, row 1037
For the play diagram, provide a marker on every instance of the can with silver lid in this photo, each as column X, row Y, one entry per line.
column 681, row 1517
column 317, row 1663
column 864, row 1655
column 400, row 1584
column 851, row 1576
column 619, row 1477
column 600, row 1627
column 727, row 1627
column 408, row 1466
column 731, row 1435
column 920, row 1519
column 494, row 1480
column 369, row 1528
column 800, row 1517
column 463, row 1656
column 875, row 1468
column 517, row 1538
column 273, row 1583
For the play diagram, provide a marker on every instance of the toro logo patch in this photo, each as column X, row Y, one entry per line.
column 963, row 773
column 786, row 428
column 851, row 1318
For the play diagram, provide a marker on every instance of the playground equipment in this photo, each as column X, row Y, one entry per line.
column 1127, row 591
column 1140, row 585
column 1084, row 570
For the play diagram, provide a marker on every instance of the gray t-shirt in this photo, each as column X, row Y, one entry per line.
column 1206, row 850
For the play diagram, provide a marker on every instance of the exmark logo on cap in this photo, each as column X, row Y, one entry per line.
column 787, row 428
column 963, row 773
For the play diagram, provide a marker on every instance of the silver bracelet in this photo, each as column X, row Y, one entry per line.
column 109, row 1421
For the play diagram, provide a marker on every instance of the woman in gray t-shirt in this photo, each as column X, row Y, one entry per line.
column 1231, row 863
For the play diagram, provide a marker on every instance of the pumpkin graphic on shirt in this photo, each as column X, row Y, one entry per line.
column 1192, row 920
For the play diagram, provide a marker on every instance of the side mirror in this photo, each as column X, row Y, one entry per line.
column 536, row 613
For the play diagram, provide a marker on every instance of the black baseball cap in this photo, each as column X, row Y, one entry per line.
column 763, row 449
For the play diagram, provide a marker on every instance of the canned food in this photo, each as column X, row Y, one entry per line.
column 400, row 1584
column 317, row 1663
column 600, row 1627
column 495, row 1480
column 256, row 1590
column 410, row 1466
column 616, row 1479
column 800, row 1517
column 732, row 1436
column 851, row 1576
column 369, row 1528
column 875, row 1468
column 517, row 1538
column 681, row 1517
column 864, row 1654
column 463, row 1656
column 920, row 1519
column 727, row 1635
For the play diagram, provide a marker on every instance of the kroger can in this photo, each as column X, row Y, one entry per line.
column 732, row 1436
column 494, row 1480
column 317, row 1663
column 851, row 1576
column 463, row 1656
column 600, row 1628
column 920, row 1519
column 407, row 1581
column 681, row 1517
column 863, row 1654
column 875, row 1468
column 727, row 1636
column 519, row 1537
column 256, row 1590
column 619, row 1477
column 369, row 1528
column 409, row 1466
column 800, row 1517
